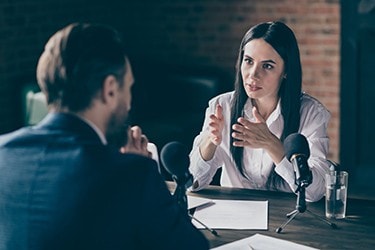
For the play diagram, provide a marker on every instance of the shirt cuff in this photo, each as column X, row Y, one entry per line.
column 286, row 171
column 200, row 172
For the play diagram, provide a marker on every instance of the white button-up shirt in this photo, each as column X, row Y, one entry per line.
column 257, row 163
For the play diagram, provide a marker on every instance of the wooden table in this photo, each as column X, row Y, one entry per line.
column 356, row 231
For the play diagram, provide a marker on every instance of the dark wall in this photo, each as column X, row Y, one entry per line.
column 181, row 32
column 357, row 95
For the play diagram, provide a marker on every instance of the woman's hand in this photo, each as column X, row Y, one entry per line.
column 215, row 127
column 257, row 135
column 137, row 142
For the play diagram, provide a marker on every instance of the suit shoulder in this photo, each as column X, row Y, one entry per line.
column 134, row 162
column 14, row 136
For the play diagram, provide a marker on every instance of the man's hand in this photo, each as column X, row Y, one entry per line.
column 137, row 142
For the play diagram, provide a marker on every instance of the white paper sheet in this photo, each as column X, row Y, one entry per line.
column 194, row 201
column 234, row 214
column 259, row 241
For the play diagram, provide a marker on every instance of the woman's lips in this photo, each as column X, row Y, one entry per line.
column 252, row 87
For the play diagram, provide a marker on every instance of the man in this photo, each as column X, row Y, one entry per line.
column 63, row 184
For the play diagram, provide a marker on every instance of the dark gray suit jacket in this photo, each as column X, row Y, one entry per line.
column 60, row 188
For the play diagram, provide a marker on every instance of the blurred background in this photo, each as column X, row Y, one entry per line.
column 177, row 44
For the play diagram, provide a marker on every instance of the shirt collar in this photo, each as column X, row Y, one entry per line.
column 95, row 128
column 248, row 112
column 275, row 114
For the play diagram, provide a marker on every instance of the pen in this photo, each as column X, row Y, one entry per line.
column 251, row 248
column 206, row 227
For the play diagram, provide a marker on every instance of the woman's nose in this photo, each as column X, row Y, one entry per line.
column 254, row 72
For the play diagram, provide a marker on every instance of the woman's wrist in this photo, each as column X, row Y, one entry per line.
column 207, row 149
column 276, row 150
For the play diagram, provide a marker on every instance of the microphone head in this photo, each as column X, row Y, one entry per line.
column 296, row 144
column 175, row 158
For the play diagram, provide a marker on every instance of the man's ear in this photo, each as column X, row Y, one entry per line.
column 109, row 91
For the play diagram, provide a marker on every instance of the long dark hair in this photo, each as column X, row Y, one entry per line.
column 282, row 39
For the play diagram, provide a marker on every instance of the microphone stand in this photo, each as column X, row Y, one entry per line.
column 180, row 196
column 301, row 208
column 180, row 192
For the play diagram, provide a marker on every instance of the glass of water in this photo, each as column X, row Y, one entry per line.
column 336, row 194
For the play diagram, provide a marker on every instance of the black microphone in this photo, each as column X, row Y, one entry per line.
column 175, row 158
column 297, row 151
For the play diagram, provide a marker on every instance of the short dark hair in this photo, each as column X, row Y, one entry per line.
column 283, row 40
column 75, row 62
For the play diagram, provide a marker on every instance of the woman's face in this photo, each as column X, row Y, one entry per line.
column 262, row 70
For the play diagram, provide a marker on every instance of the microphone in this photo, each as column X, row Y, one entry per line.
column 297, row 152
column 175, row 158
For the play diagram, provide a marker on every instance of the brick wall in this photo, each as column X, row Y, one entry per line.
column 205, row 32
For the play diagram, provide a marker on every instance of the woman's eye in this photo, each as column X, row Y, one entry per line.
column 248, row 60
column 267, row 66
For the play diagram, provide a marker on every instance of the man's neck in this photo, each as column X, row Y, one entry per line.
column 89, row 119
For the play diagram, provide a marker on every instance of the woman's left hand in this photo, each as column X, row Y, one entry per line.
column 257, row 135
column 253, row 134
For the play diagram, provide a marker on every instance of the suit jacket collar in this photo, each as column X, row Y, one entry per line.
column 69, row 123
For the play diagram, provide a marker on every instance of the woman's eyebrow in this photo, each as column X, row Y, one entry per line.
column 264, row 61
column 269, row 61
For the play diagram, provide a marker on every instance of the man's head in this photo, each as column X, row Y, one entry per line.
column 75, row 62
column 84, row 70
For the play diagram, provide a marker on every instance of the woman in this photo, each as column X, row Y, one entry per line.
column 243, row 131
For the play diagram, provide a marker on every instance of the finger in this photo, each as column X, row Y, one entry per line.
column 214, row 119
column 239, row 143
column 238, row 128
column 238, row 136
column 130, row 141
column 137, row 136
column 130, row 136
column 244, row 122
column 257, row 116
column 239, row 139
column 137, row 132
column 216, row 141
column 216, row 135
column 214, row 125
column 219, row 112
column 144, row 142
column 145, row 151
